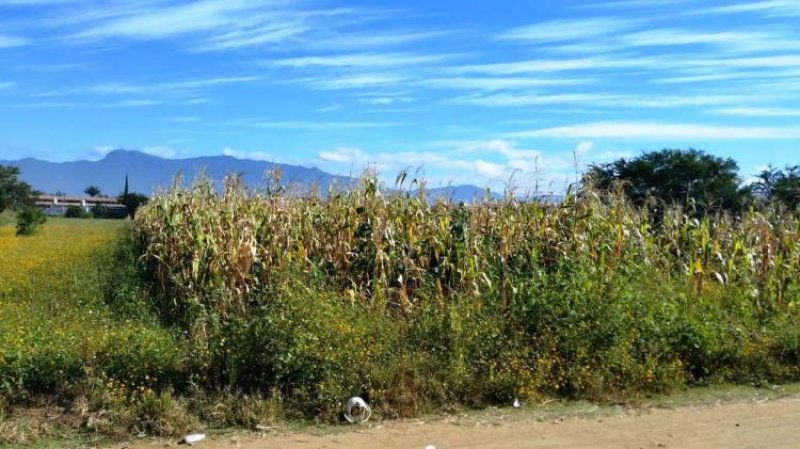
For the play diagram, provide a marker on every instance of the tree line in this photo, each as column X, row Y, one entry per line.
column 701, row 182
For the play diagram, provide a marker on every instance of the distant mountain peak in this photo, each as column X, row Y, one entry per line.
column 122, row 153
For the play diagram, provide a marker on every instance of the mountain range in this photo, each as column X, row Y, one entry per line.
column 147, row 173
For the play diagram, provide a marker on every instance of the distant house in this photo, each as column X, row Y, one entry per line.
column 55, row 205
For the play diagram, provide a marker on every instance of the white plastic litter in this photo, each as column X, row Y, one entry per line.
column 356, row 410
column 430, row 446
column 516, row 403
column 193, row 438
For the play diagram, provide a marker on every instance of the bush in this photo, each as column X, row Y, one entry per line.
column 100, row 211
column 76, row 212
column 29, row 220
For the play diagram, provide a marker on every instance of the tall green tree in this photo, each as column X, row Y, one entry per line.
column 14, row 193
column 131, row 200
column 779, row 186
column 92, row 191
column 675, row 177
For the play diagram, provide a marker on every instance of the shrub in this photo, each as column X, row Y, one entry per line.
column 29, row 220
column 100, row 211
column 76, row 212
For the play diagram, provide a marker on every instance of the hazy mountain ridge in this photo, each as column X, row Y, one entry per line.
column 147, row 173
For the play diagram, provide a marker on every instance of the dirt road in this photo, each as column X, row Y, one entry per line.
column 751, row 424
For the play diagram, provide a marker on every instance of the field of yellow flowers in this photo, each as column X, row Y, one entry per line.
column 59, row 244
column 58, row 333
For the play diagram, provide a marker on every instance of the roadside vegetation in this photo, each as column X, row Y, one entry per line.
column 68, row 360
column 231, row 307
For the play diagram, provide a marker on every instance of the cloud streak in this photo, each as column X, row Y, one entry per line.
column 11, row 41
column 660, row 131
column 570, row 29
column 595, row 100
column 758, row 112
column 361, row 60
column 310, row 125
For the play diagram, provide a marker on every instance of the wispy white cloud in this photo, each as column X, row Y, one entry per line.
column 207, row 25
column 770, row 61
column 570, row 29
column 161, row 151
column 250, row 155
column 708, row 77
column 100, row 151
column 11, row 41
column 267, row 34
column 347, row 160
column 758, row 112
column 631, row 4
column 362, row 60
column 384, row 101
column 124, row 103
column 737, row 41
column 362, row 40
column 483, row 163
column 131, row 103
column 345, row 154
column 725, row 42
column 49, row 68
column 182, row 88
column 660, row 131
column 7, row 84
column 768, row 8
column 493, row 83
column 330, row 108
column 185, row 119
column 356, row 81
column 595, row 100
column 39, row 2
column 310, row 125
column 171, row 88
column 163, row 21
column 507, row 149
column 557, row 65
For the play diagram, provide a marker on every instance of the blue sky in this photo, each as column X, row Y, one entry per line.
column 471, row 91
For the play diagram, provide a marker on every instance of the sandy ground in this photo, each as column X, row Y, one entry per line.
column 751, row 424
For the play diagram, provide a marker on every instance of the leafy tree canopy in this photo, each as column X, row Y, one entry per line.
column 779, row 186
column 132, row 201
column 13, row 192
column 92, row 191
column 675, row 177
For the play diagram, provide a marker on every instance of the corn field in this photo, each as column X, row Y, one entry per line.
column 587, row 297
column 216, row 250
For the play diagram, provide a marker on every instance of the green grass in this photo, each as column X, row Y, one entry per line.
column 7, row 217
column 62, row 339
